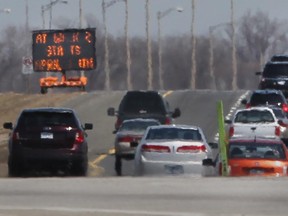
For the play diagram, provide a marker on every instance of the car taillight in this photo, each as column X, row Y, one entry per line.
column 168, row 121
column 285, row 107
column 277, row 131
column 79, row 137
column 231, row 131
column 191, row 149
column 248, row 105
column 125, row 139
column 118, row 123
column 155, row 148
column 15, row 136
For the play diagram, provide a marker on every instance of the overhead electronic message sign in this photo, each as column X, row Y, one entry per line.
column 64, row 50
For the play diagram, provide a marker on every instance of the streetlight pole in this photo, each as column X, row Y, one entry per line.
column 193, row 42
column 128, row 55
column 106, row 56
column 149, row 55
column 234, row 60
column 211, row 53
column 160, row 15
column 49, row 7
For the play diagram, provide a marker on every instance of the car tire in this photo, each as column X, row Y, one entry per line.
column 79, row 168
column 118, row 165
column 14, row 168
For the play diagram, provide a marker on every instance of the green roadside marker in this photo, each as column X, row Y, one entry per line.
column 222, row 139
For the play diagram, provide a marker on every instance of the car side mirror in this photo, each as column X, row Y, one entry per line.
column 208, row 162
column 88, row 126
column 258, row 73
column 8, row 125
column 244, row 101
column 111, row 111
column 176, row 113
column 228, row 121
column 213, row 145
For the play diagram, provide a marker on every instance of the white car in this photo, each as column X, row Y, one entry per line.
column 172, row 150
column 257, row 121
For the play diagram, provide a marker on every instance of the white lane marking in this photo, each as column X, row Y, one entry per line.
column 100, row 210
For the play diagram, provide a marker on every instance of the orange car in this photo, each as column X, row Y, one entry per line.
column 255, row 157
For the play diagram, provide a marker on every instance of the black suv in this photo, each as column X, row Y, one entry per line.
column 275, row 76
column 48, row 139
column 143, row 104
column 267, row 97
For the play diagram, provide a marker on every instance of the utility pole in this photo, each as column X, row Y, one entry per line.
column 149, row 55
column 193, row 54
column 234, row 60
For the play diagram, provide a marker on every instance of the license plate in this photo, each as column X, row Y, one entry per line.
column 256, row 172
column 174, row 169
column 45, row 135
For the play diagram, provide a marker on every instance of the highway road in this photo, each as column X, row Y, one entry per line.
column 103, row 193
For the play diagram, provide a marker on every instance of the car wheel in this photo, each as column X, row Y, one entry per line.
column 79, row 168
column 14, row 168
column 118, row 165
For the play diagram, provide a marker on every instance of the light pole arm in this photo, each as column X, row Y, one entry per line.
column 108, row 4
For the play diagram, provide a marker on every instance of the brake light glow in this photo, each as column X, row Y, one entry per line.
column 285, row 107
column 277, row 131
column 168, row 121
column 125, row 139
column 118, row 123
column 231, row 131
column 79, row 137
column 15, row 136
column 155, row 148
column 191, row 149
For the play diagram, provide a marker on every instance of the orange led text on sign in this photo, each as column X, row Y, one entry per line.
column 75, row 50
column 41, row 38
column 86, row 63
column 48, row 65
column 58, row 38
column 55, row 51
column 88, row 37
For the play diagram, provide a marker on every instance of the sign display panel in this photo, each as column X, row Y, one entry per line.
column 64, row 50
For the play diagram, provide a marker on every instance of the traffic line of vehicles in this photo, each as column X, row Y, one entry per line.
column 257, row 135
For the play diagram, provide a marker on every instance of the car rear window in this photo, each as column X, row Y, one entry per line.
column 41, row 119
column 256, row 151
column 142, row 103
column 254, row 116
column 174, row 134
column 137, row 125
column 266, row 99
column 275, row 70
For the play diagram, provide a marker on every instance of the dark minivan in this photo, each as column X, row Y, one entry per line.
column 50, row 139
column 143, row 104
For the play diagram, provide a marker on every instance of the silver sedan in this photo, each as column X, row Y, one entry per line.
column 172, row 150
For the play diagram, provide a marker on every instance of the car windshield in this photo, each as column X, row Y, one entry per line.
column 174, row 134
column 40, row 119
column 275, row 70
column 256, row 151
column 254, row 116
column 138, row 126
column 266, row 99
column 279, row 113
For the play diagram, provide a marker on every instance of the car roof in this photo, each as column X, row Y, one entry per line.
column 49, row 109
column 267, row 91
column 141, row 120
column 175, row 126
column 261, row 108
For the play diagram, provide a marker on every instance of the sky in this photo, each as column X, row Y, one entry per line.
column 207, row 13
